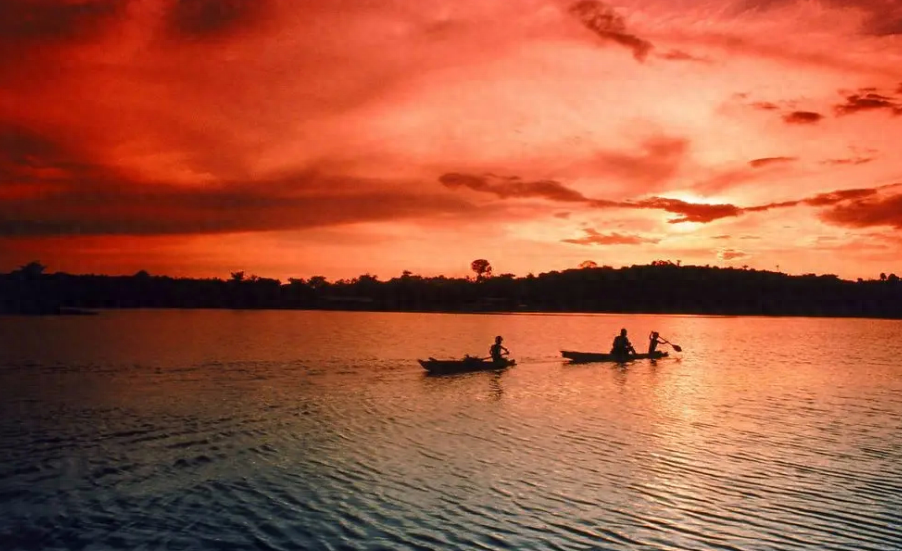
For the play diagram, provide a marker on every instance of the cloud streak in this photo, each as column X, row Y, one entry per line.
column 769, row 161
column 802, row 117
column 594, row 237
column 607, row 24
column 47, row 188
column 869, row 203
column 869, row 101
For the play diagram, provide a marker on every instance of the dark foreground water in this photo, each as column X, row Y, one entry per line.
column 318, row 430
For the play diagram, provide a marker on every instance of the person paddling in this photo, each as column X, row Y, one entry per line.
column 496, row 349
column 622, row 346
column 653, row 341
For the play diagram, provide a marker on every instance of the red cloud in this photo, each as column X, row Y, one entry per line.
column 881, row 17
column 758, row 163
column 32, row 21
column 834, row 197
column 688, row 212
column 593, row 237
column 679, row 55
column 848, row 161
column 731, row 254
column 200, row 18
column 869, row 101
column 512, row 186
column 872, row 211
column 609, row 25
column 802, row 117
column 48, row 188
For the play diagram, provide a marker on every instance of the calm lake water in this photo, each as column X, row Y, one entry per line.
column 319, row 430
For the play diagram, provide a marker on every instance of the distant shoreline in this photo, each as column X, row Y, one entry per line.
column 660, row 288
column 99, row 311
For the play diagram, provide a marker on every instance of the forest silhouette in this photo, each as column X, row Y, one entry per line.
column 661, row 287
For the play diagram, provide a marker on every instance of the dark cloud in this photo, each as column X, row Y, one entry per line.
column 768, row 161
column 802, row 117
column 834, row 197
column 203, row 18
column 680, row 55
column 30, row 160
column 881, row 17
column 794, row 116
column 609, row 25
column 848, row 161
column 868, row 101
column 53, row 21
column 721, row 237
column 562, row 215
column 50, row 188
column 173, row 211
column 867, row 212
column 512, row 186
column 594, row 237
column 731, row 254
column 685, row 211
column 765, row 106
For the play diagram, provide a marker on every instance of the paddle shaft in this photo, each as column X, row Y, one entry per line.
column 676, row 347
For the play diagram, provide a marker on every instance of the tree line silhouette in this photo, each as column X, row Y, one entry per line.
column 661, row 287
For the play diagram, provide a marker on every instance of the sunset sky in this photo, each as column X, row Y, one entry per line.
column 294, row 138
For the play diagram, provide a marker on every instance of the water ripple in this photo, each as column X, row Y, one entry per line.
column 721, row 450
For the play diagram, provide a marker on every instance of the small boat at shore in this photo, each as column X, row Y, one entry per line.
column 586, row 357
column 469, row 363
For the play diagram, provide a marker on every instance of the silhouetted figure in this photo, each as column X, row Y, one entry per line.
column 622, row 346
column 653, row 341
column 496, row 349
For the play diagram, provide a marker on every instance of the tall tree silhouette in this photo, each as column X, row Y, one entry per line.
column 32, row 270
column 586, row 264
column 482, row 268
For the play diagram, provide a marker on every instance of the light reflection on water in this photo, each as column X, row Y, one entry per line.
column 318, row 430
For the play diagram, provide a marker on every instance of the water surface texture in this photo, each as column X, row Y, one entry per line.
column 318, row 430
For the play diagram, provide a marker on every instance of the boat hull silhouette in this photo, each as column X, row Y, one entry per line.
column 587, row 357
column 435, row 366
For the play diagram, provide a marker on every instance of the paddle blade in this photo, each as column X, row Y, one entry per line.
column 677, row 347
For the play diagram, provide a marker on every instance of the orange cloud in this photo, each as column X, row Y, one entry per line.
column 767, row 161
column 594, row 237
column 514, row 187
column 731, row 254
column 869, row 101
column 606, row 23
column 802, row 117
column 867, row 212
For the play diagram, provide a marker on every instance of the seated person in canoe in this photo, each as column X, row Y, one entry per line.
column 654, row 340
column 622, row 346
column 495, row 351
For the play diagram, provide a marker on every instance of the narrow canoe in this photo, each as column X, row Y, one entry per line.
column 462, row 366
column 585, row 357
